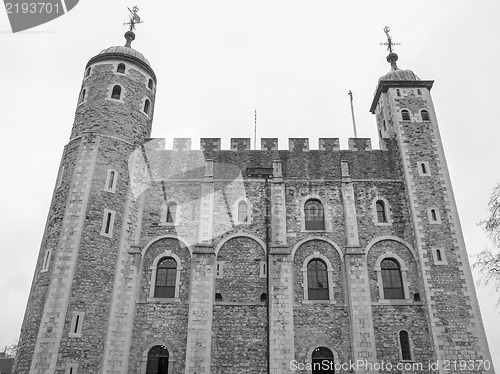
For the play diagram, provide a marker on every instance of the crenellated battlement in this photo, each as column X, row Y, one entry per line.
column 269, row 144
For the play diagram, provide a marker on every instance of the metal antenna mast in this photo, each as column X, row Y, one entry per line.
column 255, row 131
column 352, row 113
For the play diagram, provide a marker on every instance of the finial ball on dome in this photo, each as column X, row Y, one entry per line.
column 392, row 57
column 129, row 36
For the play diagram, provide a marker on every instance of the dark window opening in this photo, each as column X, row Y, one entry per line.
column 404, row 340
column 317, row 280
column 314, row 216
column 433, row 215
column 322, row 361
column 77, row 321
column 116, row 93
column 424, row 169
column 108, row 223
column 398, row 92
column 405, row 114
column 425, row 115
column 242, row 211
column 263, row 297
column 381, row 215
column 147, row 104
column 171, row 212
column 218, row 296
column 416, row 297
column 157, row 360
column 150, row 84
column 391, row 279
column 111, row 180
column 419, row 92
column 438, row 255
column 120, row 69
column 166, row 274
column 87, row 72
column 82, row 97
column 385, row 127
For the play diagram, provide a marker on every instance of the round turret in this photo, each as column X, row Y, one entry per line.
column 117, row 95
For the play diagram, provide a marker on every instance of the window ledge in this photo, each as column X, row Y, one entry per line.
column 318, row 302
column 158, row 300
column 397, row 302
column 383, row 224
column 316, row 231
column 238, row 303
column 169, row 224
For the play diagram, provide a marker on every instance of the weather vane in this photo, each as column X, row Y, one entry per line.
column 134, row 18
column 389, row 43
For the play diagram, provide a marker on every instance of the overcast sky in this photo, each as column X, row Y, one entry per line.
column 216, row 61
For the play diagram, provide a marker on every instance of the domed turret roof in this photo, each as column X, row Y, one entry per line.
column 396, row 74
column 125, row 51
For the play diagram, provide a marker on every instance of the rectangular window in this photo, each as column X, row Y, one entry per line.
column 71, row 368
column 108, row 221
column 75, row 329
column 219, row 269
column 46, row 261
column 263, row 269
column 60, row 177
column 111, row 178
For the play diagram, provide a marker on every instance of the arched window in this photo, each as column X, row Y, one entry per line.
column 82, row 96
column 317, row 280
column 87, row 72
column 322, row 361
column 150, row 84
column 242, row 211
column 116, row 93
column 171, row 212
column 314, row 216
column 120, row 69
column 166, row 273
column 147, row 104
column 218, row 296
column 157, row 360
column 381, row 214
column 406, row 115
column 391, row 279
column 404, row 341
column 425, row 115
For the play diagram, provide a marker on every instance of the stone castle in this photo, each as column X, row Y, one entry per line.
column 165, row 261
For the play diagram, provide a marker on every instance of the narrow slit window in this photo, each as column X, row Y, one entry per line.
column 405, row 114
column 111, row 180
column 242, row 211
column 425, row 115
column 147, row 104
column 384, row 125
column 438, row 255
column 117, row 92
column 83, row 95
column 424, row 169
column 398, row 92
column 419, row 92
column 75, row 330
column 404, row 340
column 121, row 68
column 150, row 84
column 87, row 72
column 171, row 212
column 108, row 223
column 46, row 260
column 433, row 215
